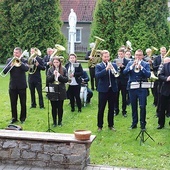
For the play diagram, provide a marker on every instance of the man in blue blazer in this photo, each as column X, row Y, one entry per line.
column 138, row 71
column 105, row 72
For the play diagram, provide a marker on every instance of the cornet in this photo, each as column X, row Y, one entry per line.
column 112, row 69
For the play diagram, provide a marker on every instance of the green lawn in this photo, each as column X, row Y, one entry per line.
column 118, row 148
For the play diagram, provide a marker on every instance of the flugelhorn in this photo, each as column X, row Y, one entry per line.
column 112, row 69
column 15, row 61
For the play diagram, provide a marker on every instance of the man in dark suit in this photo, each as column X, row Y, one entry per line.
column 93, row 60
column 156, row 64
column 138, row 71
column 17, row 84
column 34, row 79
column 121, row 62
column 164, row 76
column 46, row 60
column 107, row 88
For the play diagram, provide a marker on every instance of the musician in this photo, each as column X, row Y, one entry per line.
column 46, row 60
column 138, row 71
column 157, row 62
column 107, row 89
column 56, row 78
column 75, row 71
column 85, row 79
column 91, row 66
column 17, row 85
column 122, row 82
column 128, row 55
column 34, row 79
column 164, row 76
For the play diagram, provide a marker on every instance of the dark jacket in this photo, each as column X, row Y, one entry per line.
column 103, row 78
column 78, row 72
column 143, row 74
column 17, row 75
column 123, row 79
column 36, row 77
column 60, row 89
column 165, row 72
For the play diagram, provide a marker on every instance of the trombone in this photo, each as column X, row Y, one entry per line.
column 15, row 61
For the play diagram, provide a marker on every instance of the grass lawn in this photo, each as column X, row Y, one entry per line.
column 118, row 148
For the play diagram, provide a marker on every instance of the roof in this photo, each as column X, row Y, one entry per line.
column 82, row 8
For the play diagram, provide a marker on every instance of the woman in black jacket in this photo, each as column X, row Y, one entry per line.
column 75, row 71
column 56, row 78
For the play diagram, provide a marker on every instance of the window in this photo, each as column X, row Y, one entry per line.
column 78, row 35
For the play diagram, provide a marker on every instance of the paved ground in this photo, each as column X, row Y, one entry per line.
column 89, row 167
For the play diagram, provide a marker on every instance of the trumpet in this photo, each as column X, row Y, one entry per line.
column 137, row 64
column 15, row 61
column 56, row 77
column 112, row 69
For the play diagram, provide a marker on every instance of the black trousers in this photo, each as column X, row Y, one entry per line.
column 57, row 109
column 38, row 87
column 121, row 89
column 109, row 97
column 14, row 94
column 74, row 93
column 163, row 108
column 93, row 79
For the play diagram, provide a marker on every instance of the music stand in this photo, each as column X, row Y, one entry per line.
column 141, row 135
column 47, row 90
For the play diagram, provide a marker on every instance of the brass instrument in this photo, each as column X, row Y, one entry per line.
column 161, row 65
column 15, row 61
column 57, row 49
column 113, row 71
column 95, row 59
column 137, row 69
column 129, row 45
column 32, row 61
column 56, row 77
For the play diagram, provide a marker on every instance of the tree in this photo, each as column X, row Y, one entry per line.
column 104, row 25
column 31, row 23
column 142, row 22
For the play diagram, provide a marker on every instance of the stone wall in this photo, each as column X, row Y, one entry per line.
column 40, row 149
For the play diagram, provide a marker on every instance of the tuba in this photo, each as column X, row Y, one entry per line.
column 32, row 61
column 94, row 53
column 56, row 50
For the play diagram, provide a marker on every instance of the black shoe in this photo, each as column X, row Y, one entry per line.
column 42, row 107
column 133, row 127
column 54, row 125
column 79, row 110
column 60, row 124
column 32, row 107
column 72, row 110
column 160, row 127
column 112, row 128
column 22, row 121
column 13, row 121
column 125, row 115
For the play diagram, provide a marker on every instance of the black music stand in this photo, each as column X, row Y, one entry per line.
column 48, row 111
column 141, row 135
